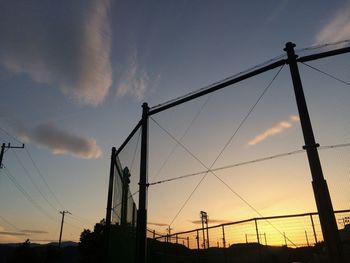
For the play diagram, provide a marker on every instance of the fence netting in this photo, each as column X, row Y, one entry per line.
column 125, row 199
column 237, row 153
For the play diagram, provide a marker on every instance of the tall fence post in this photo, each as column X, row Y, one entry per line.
column 141, row 235
column 321, row 193
column 110, row 201
column 313, row 228
column 257, row 230
column 285, row 239
column 307, row 239
column 223, row 237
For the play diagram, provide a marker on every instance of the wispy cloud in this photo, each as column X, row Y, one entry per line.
column 28, row 231
column 65, row 44
column 278, row 128
column 211, row 221
column 134, row 80
column 12, row 233
column 60, row 141
column 57, row 140
column 157, row 224
column 337, row 29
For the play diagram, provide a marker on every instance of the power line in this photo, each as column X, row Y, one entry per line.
column 43, row 178
column 181, row 138
column 247, row 162
column 39, row 173
column 222, row 150
column 33, row 182
column 26, row 195
column 10, row 135
column 229, row 166
column 9, row 223
column 342, row 42
column 327, row 74
column 222, row 181
column 209, row 169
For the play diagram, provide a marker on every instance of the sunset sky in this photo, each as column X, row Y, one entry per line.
column 73, row 77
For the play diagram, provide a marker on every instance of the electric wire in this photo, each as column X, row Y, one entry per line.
column 209, row 169
column 35, row 166
column 33, row 182
column 327, row 74
column 181, row 138
column 341, row 42
column 10, row 135
column 222, row 181
column 221, row 81
column 26, row 195
column 222, row 150
column 9, row 223
column 43, row 178
column 247, row 162
column 229, row 166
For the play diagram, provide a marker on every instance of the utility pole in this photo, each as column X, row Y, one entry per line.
column 169, row 233
column 63, row 213
column 8, row 146
column 204, row 218
column 319, row 184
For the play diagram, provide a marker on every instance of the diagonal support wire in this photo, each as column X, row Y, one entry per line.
column 327, row 74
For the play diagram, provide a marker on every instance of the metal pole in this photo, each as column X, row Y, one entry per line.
column 257, row 230
column 188, row 242
column 202, row 216
column 307, row 239
column 125, row 188
column 110, row 190
column 109, row 201
column 141, row 237
column 265, row 239
column 62, row 221
column 285, row 239
column 223, row 236
column 206, row 221
column 3, row 147
column 197, row 240
column 2, row 154
column 313, row 228
column 246, row 239
column 321, row 193
column 59, row 241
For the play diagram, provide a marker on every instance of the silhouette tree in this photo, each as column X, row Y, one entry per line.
column 121, row 246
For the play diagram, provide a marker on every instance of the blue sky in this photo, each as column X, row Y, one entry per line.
column 73, row 76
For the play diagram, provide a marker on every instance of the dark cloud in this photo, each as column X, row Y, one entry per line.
column 63, row 142
column 56, row 139
column 28, row 231
column 64, row 43
column 156, row 224
column 210, row 221
column 12, row 233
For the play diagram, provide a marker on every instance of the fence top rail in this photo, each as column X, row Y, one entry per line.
column 138, row 125
column 251, row 219
column 325, row 54
column 217, row 86
column 264, row 67
column 242, row 76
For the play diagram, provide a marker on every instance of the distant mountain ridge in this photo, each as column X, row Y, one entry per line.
column 63, row 244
